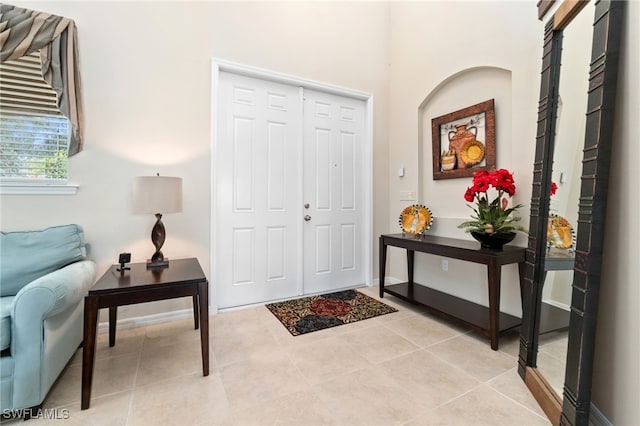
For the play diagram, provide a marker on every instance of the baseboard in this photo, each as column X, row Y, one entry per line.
column 253, row 305
column 596, row 418
column 143, row 321
column 387, row 280
column 557, row 304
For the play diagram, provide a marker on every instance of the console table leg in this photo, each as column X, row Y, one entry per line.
column 494, row 271
column 383, row 265
column 411, row 256
column 203, row 299
column 521, row 274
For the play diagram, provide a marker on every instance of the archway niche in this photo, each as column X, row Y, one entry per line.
column 460, row 90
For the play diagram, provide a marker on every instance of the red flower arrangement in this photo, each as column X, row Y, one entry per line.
column 494, row 216
column 554, row 188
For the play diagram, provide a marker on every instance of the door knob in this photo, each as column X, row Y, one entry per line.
column 307, row 217
column 306, row 205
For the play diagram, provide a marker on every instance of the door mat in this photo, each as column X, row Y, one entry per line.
column 313, row 313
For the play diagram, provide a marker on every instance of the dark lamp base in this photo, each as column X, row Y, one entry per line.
column 151, row 264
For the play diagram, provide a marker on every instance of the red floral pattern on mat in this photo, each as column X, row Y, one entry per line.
column 315, row 313
column 330, row 307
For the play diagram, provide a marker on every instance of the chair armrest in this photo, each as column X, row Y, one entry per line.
column 54, row 292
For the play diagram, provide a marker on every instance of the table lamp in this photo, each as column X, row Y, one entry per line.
column 158, row 195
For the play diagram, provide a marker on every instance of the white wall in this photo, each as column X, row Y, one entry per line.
column 454, row 55
column 146, row 69
column 145, row 72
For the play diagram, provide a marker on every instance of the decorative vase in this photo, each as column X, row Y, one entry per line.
column 493, row 241
column 458, row 138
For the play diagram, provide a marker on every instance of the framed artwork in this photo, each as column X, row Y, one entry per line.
column 464, row 141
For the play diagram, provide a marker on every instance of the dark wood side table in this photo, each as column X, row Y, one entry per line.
column 182, row 278
column 488, row 321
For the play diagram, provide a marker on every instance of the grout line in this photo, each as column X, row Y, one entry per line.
column 508, row 397
column 135, row 379
column 385, row 324
column 460, row 396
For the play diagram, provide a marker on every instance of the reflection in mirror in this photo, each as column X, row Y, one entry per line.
column 567, row 167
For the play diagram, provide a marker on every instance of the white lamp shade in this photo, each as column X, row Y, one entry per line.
column 157, row 194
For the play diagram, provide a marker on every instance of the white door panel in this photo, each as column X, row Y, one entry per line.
column 333, row 188
column 258, row 196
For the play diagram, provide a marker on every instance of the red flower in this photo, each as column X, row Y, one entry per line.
column 492, row 215
column 554, row 188
column 480, row 174
column 470, row 194
column 481, row 183
column 502, row 180
column 511, row 190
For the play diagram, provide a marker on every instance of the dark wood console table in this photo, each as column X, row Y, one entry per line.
column 488, row 321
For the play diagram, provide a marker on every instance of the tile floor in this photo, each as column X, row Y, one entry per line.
column 404, row 368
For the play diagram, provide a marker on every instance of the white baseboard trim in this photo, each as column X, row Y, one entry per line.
column 253, row 305
column 147, row 320
column 388, row 280
column 143, row 321
column 557, row 304
column 596, row 418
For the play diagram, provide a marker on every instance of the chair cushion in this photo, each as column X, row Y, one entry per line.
column 26, row 256
column 5, row 321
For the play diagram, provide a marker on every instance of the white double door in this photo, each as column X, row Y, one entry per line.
column 289, row 191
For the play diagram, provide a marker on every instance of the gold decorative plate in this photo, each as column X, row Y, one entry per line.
column 415, row 219
column 472, row 152
column 560, row 233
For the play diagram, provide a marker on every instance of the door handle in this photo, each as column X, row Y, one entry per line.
column 307, row 217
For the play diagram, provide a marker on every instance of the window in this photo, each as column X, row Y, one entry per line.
column 34, row 135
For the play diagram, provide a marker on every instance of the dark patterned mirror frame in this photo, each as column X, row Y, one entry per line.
column 574, row 409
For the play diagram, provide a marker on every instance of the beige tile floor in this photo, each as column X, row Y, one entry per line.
column 404, row 368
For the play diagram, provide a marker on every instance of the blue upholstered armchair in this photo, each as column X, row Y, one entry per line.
column 44, row 276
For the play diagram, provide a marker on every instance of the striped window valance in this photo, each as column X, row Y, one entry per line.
column 24, row 31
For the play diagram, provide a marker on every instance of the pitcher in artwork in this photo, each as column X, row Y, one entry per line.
column 459, row 140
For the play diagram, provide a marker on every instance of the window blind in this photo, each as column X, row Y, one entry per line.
column 34, row 135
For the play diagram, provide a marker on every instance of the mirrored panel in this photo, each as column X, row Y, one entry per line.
column 572, row 159
column 564, row 196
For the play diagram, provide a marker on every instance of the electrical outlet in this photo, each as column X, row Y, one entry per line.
column 407, row 195
column 445, row 265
